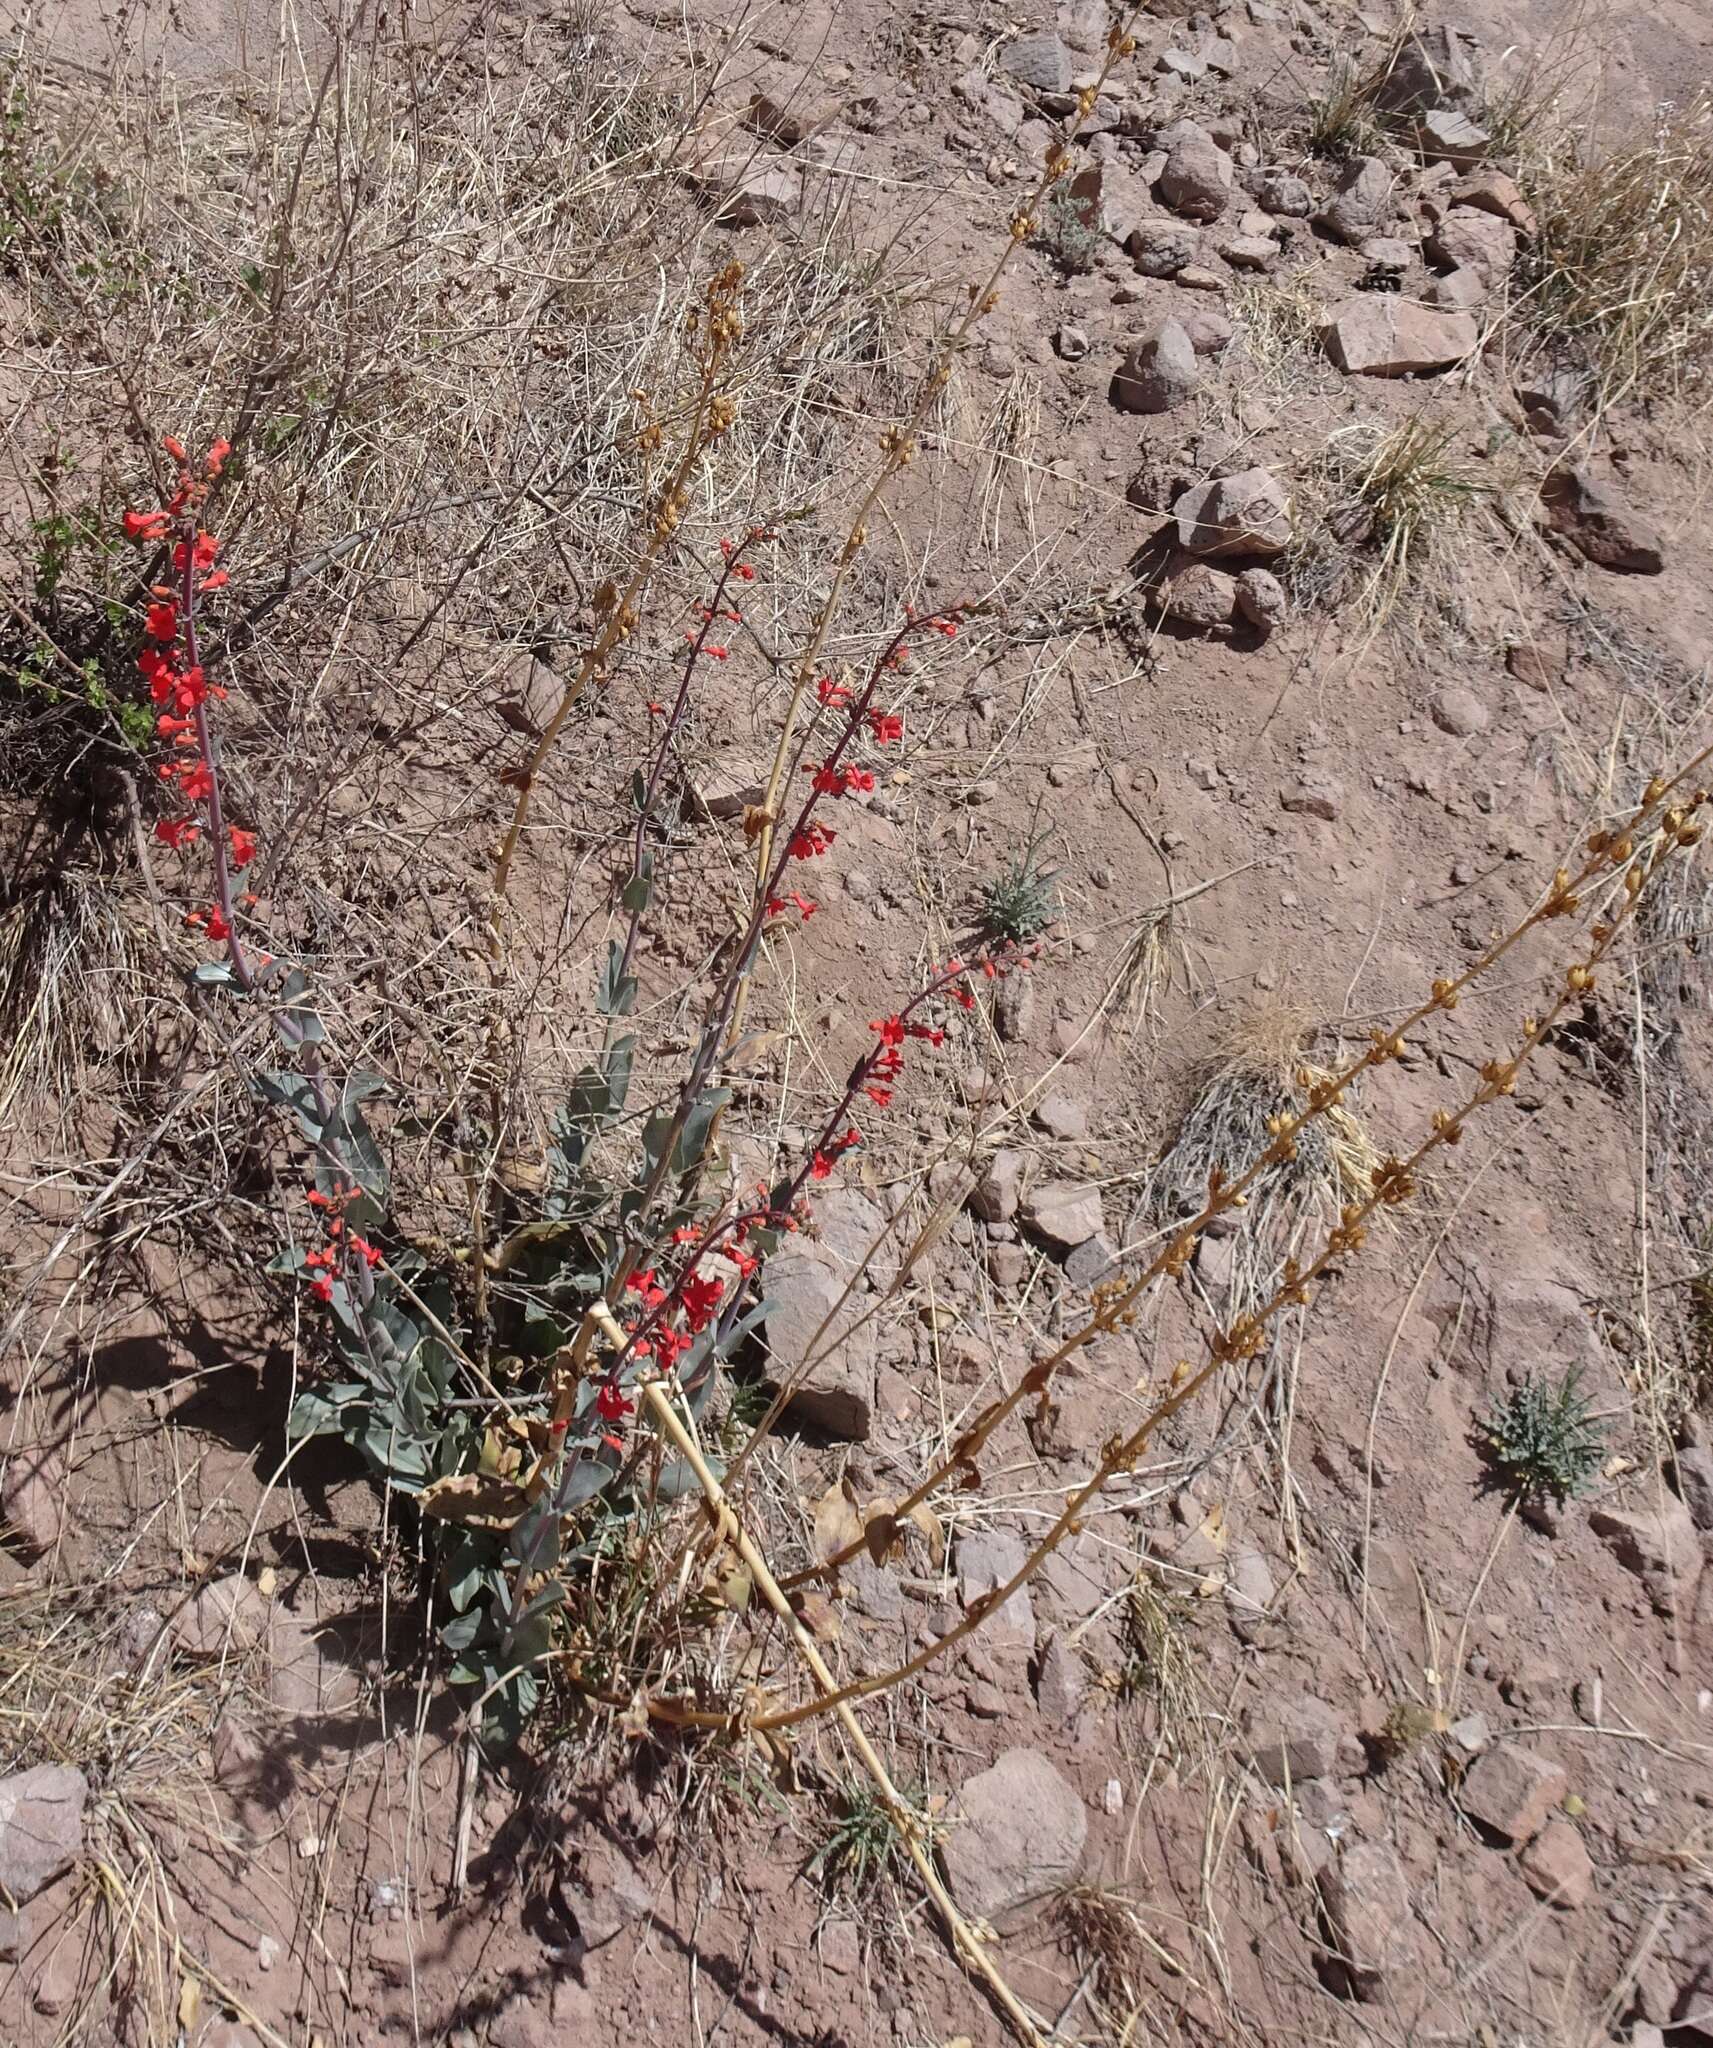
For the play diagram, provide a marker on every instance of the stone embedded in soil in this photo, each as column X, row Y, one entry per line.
column 1061, row 1681
column 1061, row 1116
column 306, row 1675
column 788, row 121
column 1246, row 513
column 1469, row 239
column 1161, row 248
column 1444, row 136
column 1660, row 1545
column 1261, row 599
column 743, row 190
column 223, row 1618
column 1512, row 1791
column 1390, row 253
column 1091, row 1262
column 986, row 1560
column 1493, row 192
column 1311, row 799
column 1062, row 1214
column 1198, row 175
column 1460, row 712
column 1249, row 1593
column 850, row 1232
column 1599, row 525
column 1694, row 1474
column 1249, row 252
column 1367, row 1900
column 1040, row 62
column 995, row 1196
column 1210, row 332
column 837, row 1398
column 1159, row 373
column 1296, row 1738
column 1281, row 192
column 1072, row 342
column 32, row 1496
column 1558, row 1866
column 1195, row 594
column 1013, row 1834
column 1380, row 335
column 1436, row 67
column 728, row 783
column 41, row 1827
column 1361, row 201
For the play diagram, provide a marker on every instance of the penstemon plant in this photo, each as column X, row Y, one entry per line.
column 624, row 1279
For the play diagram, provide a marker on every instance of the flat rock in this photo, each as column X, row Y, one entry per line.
column 1444, row 136
column 1246, row 513
column 1469, row 239
column 1210, row 332
column 1558, row 1867
column 1062, row 1214
column 1659, row 1543
column 1382, row 335
column 1360, row 202
column 1039, row 61
column 1091, row 1262
column 1013, row 1834
column 742, row 190
column 1459, row 291
column 307, row 1677
column 1282, row 192
column 1493, row 191
column 1297, row 1738
column 1598, row 523
column 836, row 1398
column 41, row 1827
column 986, row 1560
column 1313, row 797
column 1249, row 252
column 1512, row 1791
column 1061, row 1116
column 1367, row 1900
column 1159, row 373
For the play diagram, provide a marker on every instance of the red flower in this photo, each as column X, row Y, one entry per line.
column 322, row 1289
column 744, row 570
column 891, row 1030
column 820, row 1167
column 161, row 622
column 217, row 454
column 830, row 692
column 880, row 1097
column 611, row 1405
column 716, row 653
column 217, row 581
column 243, row 847
column 198, row 781
column 812, row 840
column 701, row 1298
column 178, row 833
column 886, row 727
column 174, row 448
column 145, row 525
column 217, row 927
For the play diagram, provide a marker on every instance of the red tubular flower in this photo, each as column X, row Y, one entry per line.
column 880, row 1097
column 886, row 727
column 178, row 833
column 197, row 781
column 174, row 448
column 830, row 692
column 716, row 653
column 217, row 454
column 891, row 1030
column 701, row 1298
column 859, row 779
column 217, row 581
column 145, row 525
column 811, row 841
column 322, row 1289
column 161, row 622
column 243, row 847
column 217, row 927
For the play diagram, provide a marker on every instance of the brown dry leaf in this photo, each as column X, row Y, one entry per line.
column 734, row 1586
column 837, row 1522
column 819, row 1616
column 480, row 1500
column 189, row 2004
column 933, row 1528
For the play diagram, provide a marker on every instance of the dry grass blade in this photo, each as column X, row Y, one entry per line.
column 70, row 985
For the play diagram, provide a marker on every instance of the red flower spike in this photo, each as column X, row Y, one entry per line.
column 178, row 833
column 322, row 1289
column 217, row 927
column 161, row 622
column 243, row 846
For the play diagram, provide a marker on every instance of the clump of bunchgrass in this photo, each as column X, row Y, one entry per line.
column 1020, row 902
column 1621, row 264
column 1341, row 118
column 861, row 1846
column 1542, row 1440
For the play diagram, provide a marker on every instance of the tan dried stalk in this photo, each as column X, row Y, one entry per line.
column 1117, row 1304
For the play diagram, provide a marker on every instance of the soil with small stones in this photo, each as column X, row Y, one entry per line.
column 1297, row 1671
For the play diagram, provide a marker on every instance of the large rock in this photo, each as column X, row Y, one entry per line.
column 1040, row 62
column 1512, row 1791
column 1599, row 525
column 1367, row 1900
column 988, row 1559
column 41, row 1827
column 1062, row 1214
column 1198, row 176
column 1013, row 1834
column 1436, row 67
column 1659, row 1544
column 1195, row 595
column 1159, row 373
column 1695, row 1484
column 1160, row 246
column 1244, row 514
column 1379, row 335
column 807, row 1320
column 1361, row 201
column 1468, row 238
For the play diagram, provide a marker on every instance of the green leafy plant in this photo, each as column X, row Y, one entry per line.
column 861, row 1844
column 1543, row 1441
column 1020, row 903
column 1070, row 231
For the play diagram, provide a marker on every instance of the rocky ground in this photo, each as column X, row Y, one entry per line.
column 1310, row 1733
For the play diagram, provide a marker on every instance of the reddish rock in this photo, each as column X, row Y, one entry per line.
column 1367, row 1900
column 1013, row 1834
column 1512, row 1791
column 1379, row 335
column 1558, row 1866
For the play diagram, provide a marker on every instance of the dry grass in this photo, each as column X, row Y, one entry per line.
column 72, row 988
column 1621, row 269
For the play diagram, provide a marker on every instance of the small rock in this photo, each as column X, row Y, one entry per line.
column 1040, row 62
column 1512, row 1791
column 1249, row 1593
column 807, row 1320
column 1493, row 192
column 1694, row 1472
column 1282, row 192
column 1060, row 1117
column 1159, row 373
column 1062, row 1214
column 1198, row 176
column 1091, row 1262
column 1436, row 67
column 988, row 1559
column 1299, row 1739
column 1162, row 247
column 1249, row 252
column 32, row 1496
column 268, row 1951
column 1317, row 799
column 1445, row 136
column 223, row 1618
column 1220, row 53
column 1380, row 335
column 1261, row 599
column 1367, row 1899
column 1184, row 64
column 1469, row 239
column 1013, row 1834
column 1196, row 277
column 1659, row 1545
column 743, row 190
column 727, row 783
column 1361, row 200
column 1242, row 514
column 1470, row 1734
column 1061, row 1681
column 788, row 122
column 1014, row 1008
column 1210, row 332
column 1552, row 399
column 1202, row 773
column 1460, row 291
column 1389, row 253
column 41, row 1828
column 1072, row 343
column 1196, row 595
column 1009, row 1264
column 1460, row 712
column 1558, row 1866
column 994, row 1197
column 1599, row 525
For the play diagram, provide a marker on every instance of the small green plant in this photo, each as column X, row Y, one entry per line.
column 1341, row 118
column 1070, row 230
column 1542, row 1441
column 1020, row 903
column 862, row 1843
